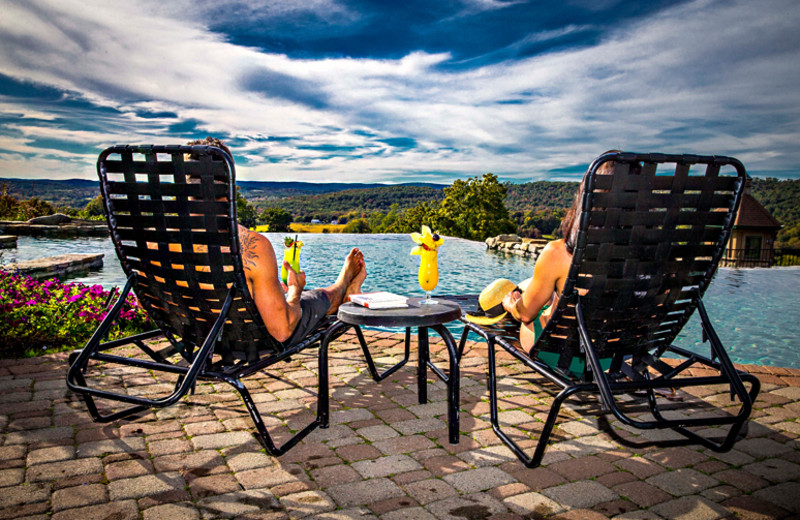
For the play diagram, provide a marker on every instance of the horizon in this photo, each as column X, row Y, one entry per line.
column 383, row 93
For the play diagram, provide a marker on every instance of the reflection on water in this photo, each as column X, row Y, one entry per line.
column 29, row 248
column 731, row 280
column 753, row 310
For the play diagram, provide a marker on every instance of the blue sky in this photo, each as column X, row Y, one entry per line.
column 385, row 91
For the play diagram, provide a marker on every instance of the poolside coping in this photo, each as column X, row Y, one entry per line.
column 384, row 456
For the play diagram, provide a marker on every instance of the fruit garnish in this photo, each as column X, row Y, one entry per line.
column 427, row 240
column 288, row 241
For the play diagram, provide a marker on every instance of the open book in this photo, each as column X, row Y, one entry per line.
column 380, row 300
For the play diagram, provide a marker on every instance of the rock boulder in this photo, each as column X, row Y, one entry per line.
column 51, row 220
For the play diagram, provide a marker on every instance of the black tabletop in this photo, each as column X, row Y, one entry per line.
column 415, row 315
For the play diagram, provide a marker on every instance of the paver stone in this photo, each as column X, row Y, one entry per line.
column 786, row 495
column 682, row 482
column 364, row 492
column 533, row 503
column 307, row 503
column 582, row 494
column 478, row 479
column 691, row 508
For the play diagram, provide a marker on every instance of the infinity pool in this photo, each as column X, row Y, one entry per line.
column 754, row 310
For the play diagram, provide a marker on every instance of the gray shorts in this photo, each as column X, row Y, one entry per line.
column 314, row 305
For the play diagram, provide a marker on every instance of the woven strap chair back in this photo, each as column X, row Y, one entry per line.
column 172, row 215
column 651, row 235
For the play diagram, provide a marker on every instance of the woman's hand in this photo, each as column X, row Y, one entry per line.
column 510, row 302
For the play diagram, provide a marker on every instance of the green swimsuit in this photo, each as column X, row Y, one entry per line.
column 576, row 366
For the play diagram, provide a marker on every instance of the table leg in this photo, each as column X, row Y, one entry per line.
column 422, row 367
column 453, row 384
column 371, row 364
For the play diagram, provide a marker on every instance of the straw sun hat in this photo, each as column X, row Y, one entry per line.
column 490, row 302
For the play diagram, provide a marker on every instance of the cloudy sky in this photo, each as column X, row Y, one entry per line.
column 396, row 91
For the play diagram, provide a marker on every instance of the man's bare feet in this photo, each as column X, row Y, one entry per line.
column 358, row 279
column 353, row 266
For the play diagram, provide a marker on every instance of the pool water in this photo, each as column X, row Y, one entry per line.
column 753, row 310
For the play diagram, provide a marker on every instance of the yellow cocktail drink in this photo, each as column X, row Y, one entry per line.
column 427, row 250
column 291, row 254
column 428, row 270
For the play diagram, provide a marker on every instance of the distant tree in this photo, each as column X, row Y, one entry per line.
column 245, row 212
column 390, row 221
column 8, row 204
column 413, row 218
column 375, row 222
column 13, row 209
column 34, row 207
column 534, row 224
column 70, row 211
column 790, row 237
column 277, row 219
column 474, row 209
column 780, row 198
column 94, row 208
column 358, row 225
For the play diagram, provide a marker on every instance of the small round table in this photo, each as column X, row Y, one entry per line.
column 423, row 317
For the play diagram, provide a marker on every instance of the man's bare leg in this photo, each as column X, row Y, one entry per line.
column 353, row 265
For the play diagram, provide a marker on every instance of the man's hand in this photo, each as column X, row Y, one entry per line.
column 294, row 279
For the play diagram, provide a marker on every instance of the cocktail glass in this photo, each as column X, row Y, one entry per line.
column 291, row 255
column 427, row 250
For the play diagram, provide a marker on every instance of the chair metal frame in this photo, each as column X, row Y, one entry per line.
column 214, row 306
column 635, row 362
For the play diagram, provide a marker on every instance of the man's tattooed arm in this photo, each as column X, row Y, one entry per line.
column 248, row 242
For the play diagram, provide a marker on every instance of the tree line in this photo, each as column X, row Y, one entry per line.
column 473, row 208
column 533, row 209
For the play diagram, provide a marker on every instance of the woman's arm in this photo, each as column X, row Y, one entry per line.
column 546, row 273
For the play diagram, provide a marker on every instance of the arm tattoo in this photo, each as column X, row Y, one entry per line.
column 249, row 255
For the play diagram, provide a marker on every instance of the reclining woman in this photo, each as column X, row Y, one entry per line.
column 533, row 306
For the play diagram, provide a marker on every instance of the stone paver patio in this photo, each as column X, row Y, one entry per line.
column 385, row 456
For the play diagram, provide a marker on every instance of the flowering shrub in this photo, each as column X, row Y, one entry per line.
column 49, row 315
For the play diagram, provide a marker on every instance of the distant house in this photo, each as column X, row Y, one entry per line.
column 315, row 221
column 335, row 222
column 753, row 236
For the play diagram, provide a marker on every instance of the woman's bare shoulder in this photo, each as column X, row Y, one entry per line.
column 555, row 248
column 555, row 255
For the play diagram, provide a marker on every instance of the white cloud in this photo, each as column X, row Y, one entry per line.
column 704, row 77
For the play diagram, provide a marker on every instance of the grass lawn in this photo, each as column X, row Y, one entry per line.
column 303, row 227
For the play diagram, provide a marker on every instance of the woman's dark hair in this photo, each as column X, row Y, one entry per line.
column 569, row 224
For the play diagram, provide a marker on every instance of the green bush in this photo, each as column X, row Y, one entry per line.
column 50, row 316
column 358, row 225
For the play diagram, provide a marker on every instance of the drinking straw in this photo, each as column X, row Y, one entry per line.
column 294, row 251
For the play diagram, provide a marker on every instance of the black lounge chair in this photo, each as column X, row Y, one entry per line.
column 650, row 238
column 197, row 297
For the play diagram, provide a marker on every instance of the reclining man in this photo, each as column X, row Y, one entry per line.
column 290, row 316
